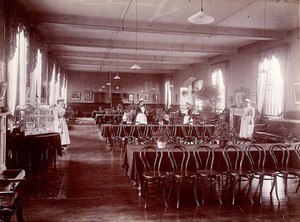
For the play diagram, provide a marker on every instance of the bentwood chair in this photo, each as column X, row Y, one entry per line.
column 143, row 136
column 179, row 159
column 257, row 157
column 281, row 157
column 234, row 157
column 152, row 174
column 297, row 150
column 204, row 157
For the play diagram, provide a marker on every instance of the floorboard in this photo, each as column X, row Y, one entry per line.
column 97, row 190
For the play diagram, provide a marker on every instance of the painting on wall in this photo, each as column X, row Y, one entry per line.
column 75, row 96
column 143, row 97
column 296, row 89
column 253, row 97
column 88, row 95
column 130, row 97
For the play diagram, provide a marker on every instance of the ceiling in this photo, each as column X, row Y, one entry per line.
column 113, row 35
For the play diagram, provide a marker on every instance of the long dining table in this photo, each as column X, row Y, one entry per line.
column 133, row 166
column 111, row 131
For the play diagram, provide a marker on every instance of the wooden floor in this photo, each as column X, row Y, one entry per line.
column 97, row 190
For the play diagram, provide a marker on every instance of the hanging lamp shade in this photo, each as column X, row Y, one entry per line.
column 201, row 17
column 135, row 66
column 117, row 77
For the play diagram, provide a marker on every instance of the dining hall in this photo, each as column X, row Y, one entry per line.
column 146, row 110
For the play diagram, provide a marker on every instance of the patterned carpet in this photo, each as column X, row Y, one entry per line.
column 46, row 185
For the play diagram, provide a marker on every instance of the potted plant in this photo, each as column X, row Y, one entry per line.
column 161, row 137
column 289, row 136
column 223, row 132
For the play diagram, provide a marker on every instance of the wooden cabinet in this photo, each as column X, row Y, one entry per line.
column 3, row 117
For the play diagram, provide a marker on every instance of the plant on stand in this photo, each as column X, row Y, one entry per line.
column 161, row 137
column 223, row 132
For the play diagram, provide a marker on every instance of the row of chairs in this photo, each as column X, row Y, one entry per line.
column 142, row 134
column 233, row 155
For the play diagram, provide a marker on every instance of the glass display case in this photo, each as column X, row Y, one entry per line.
column 35, row 118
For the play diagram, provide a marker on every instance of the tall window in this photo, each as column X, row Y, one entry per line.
column 168, row 94
column 217, row 80
column 270, row 87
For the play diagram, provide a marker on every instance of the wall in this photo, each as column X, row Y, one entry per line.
column 130, row 84
column 243, row 68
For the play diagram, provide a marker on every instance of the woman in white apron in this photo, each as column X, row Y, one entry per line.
column 60, row 124
column 141, row 117
column 188, row 118
column 247, row 121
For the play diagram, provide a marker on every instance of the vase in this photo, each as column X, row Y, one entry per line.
column 161, row 144
column 222, row 143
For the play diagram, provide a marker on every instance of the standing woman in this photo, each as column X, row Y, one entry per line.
column 247, row 121
column 141, row 117
column 60, row 124
column 188, row 118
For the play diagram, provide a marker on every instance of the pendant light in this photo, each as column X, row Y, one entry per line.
column 263, row 71
column 135, row 66
column 117, row 77
column 201, row 18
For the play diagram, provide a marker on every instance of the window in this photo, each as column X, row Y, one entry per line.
column 217, row 80
column 168, row 94
column 270, row 87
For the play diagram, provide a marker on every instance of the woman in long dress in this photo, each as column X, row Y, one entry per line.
column 60, row 124
column 247, row 121
column 141, row 117
column 188, row 118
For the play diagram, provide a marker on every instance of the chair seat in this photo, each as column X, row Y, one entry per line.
column 208, row 173
column 267, row 172
column 240, row 172
column 182, row 174
column 154, row 174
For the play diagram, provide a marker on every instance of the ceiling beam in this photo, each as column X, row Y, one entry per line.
column 154, row 28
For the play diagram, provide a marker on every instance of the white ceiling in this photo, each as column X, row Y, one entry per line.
column 104, row 35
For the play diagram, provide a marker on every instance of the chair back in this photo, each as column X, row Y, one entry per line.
column 256, row 155
column 204, row 157
column 280, row 155
column 142, row 130
column 179, row 158
column 297, row 150
column 234, row 157
column 151, row 158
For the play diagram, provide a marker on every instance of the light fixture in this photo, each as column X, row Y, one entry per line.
column 200, row 18
column 135, row 66
column 108, row 84
column 117, row 77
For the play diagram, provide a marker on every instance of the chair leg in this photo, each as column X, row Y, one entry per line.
column 195, row 192
column 146, row 194
column 298, row 184
column 219, row 190
column 164, row 193
column 286, row 187
column 178, row 192
column 261, row 181
column 233, row 190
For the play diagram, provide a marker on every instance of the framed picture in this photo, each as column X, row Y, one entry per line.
column 143, row 97
column 240, row 95
column 130, row 97
column 3, row 90
column 296, row 89
column 75, row 96
column 253, row 97
column 88, row 95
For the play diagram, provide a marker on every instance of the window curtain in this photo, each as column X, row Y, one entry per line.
column 168, row 95
column 17, row 70
column 280, row 53
column 36, row 78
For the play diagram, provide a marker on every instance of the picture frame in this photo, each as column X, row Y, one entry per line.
column 253, row 97
column 3, row 90
column 88, row 95
column 240, row 95
column 130, row 97
column 75, row 96
column 143, row 97
column 296, row 92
